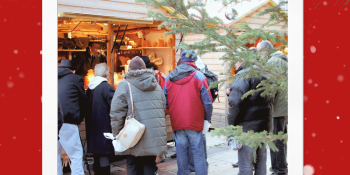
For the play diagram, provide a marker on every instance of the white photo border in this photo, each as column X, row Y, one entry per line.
column 295, row 87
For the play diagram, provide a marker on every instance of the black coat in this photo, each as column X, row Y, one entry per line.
column 98, row 120
column 71, row 96
column 59, row 116
column 254, row 112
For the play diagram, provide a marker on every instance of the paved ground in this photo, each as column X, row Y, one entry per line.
column 220, row 160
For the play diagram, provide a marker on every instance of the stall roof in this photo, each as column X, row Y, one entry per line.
column 257, row 22
column 111, row 10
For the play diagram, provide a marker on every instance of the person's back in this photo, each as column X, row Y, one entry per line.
column 254, row 112
column 71, row 95
column 98, row 121
column 74, row 106
column 189, row 103
column 149, row 105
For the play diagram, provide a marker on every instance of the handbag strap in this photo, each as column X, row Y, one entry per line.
column 132, row 102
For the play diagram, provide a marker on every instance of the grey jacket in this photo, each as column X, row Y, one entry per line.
column 149, row 109
column 280, row 105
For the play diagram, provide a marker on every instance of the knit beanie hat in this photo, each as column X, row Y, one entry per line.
column 137, row 63
column 188, row 59
column 147, row 61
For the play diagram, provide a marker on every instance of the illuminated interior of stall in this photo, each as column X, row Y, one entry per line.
column 138, row 40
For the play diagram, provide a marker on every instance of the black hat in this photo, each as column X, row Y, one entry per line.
column 147, row 61
column 67, row 64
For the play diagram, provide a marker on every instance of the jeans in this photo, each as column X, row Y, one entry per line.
column 190, row 155
column 189, row 139
column 246, row 161
column 143, row 165
column 279, row 159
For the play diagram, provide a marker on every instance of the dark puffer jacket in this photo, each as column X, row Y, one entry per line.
column 253, row 112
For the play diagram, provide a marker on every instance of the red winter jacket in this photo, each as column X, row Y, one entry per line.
column 188, row 98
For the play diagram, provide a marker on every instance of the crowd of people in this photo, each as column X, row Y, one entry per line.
column 184, row 94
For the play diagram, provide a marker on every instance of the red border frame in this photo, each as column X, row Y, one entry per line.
column 21, row 87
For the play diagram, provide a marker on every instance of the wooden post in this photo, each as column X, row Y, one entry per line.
column 110, row 60
column 174, row 54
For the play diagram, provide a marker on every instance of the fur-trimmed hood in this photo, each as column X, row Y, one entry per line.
column 143, row 79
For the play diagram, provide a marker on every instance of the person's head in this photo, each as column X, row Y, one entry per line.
column 137, row 63
column 190, row 58
column 152, row 65
column 102, row 70
column 264, row 47
column 146, row 60
column 93, row 47
column 67, row 64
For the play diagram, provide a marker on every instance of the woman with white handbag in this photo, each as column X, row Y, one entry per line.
column 138, row 106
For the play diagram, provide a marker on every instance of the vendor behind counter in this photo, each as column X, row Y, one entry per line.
column 89, row 60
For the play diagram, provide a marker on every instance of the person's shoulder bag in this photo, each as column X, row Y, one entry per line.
column 133, row 130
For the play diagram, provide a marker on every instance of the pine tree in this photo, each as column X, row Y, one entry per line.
column 235, row 50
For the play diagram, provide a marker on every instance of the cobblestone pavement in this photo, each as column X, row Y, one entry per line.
column 220, row 159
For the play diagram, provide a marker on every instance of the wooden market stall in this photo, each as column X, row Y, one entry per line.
column 219, row 117
column 113, row 23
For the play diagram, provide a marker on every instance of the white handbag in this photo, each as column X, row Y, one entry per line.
column 133, row 130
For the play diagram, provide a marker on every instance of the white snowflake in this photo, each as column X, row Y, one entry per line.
column 316, row 85
column 41, row 52
column 313, row 49
column 325, row 3
column 327, row 101
column 340, row 78
column 10, row 84
column 309, row 81
column 313, row 134
column 338, row 117
column 309, row 170
column 15, row 52
column 21, row 75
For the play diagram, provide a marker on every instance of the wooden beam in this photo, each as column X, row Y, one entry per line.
column 109, row 54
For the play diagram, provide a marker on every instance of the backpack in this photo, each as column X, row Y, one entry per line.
column 160, row 79
column 211, row 77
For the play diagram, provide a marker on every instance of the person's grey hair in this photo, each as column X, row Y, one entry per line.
column 265, row 45
column 101, row 70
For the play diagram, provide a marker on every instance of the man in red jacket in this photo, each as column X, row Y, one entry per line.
column 189, row 103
